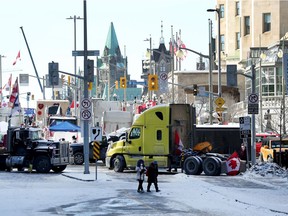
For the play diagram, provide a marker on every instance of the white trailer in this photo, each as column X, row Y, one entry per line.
column 115, row 119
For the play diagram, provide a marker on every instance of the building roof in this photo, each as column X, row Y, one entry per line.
column 111, row 46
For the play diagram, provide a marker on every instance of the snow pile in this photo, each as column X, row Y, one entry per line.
column 268, row 169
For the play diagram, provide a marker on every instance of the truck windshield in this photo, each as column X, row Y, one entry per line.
column 35, row 135
column 276, row 144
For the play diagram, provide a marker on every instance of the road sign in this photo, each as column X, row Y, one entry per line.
column 253, row 108
column 86, row 104
column 86, row 114
column 219, row 101
column 96, row 150
column 245, row 126
column 253, row 99
column 89, row 53
column 220, row 109
column 96, row 134
column 163, row 76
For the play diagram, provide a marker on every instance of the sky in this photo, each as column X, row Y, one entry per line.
column 50, row 35
column 262, row 190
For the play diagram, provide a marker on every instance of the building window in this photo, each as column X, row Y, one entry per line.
column 237, row 8
column 221, row 13
column 237, row 40
column 266, row 22
column 222, row 43
column 247, row 25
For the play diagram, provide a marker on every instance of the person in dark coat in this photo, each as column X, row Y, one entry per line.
column 243, row 153
column 152, row 173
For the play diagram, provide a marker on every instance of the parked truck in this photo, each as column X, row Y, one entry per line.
column 24, row 148
column 159, row 132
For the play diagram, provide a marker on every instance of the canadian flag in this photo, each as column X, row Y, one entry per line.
column 178, row 142
column 17, row 58
column 7, row 86
column 233, row 164
column 14, row 94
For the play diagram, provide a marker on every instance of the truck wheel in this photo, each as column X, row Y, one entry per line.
column 211, row 166
column 42, row 164
column 200, row 170
column 59, row 169
column 192, row 165
column 78, row 158
column 118, row 163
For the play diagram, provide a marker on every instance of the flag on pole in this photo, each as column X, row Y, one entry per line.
column 178, row 142
column 17, row 58
column 14, row 94
column 16, row 108
column 7, row 86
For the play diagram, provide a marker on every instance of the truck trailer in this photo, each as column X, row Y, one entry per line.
column 24, row 148
column 159, row 132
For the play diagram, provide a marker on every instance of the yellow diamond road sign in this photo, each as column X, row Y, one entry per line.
column 219, row 101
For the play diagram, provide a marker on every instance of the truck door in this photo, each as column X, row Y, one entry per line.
column 133, row 150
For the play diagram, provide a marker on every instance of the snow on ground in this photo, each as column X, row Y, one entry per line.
column 268, row 170
column 261, row 190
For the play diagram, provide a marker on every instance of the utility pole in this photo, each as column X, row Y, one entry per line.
column 86, row 126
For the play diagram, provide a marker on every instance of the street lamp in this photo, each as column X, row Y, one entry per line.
column 75, row 60
column 180, row 54
column 217, row 10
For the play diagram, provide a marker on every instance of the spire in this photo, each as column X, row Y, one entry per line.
column 111, row 47
column 162, row 38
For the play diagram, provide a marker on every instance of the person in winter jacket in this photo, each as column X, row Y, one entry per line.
column 152, row 173
column 141, row 170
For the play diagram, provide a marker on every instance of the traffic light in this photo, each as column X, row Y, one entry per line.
column 90, row 70
column 123, row 82
column 69, row 80
column 53, row 73
column 116, row 84
column 90, row 86
column 152, row 82
column 195, row 89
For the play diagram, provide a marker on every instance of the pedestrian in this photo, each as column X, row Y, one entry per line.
column 243, row 153
column 141, row 170
column 152, row 174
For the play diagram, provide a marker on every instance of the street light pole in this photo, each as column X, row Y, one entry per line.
column 210, row 73
column 217, row 10
column 172, row 65
column 75, row 61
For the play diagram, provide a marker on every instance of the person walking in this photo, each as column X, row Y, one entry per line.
column 141, row 170
column 152, row 174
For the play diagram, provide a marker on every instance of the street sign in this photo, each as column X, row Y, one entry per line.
column 86, row 104
column 219, row 101
column 220, row 109
column 253, row 99
column 86, row 114
column 89, row 53
column 96, row 150
column 245, row 126
column 96, row 134
column 253, row 108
